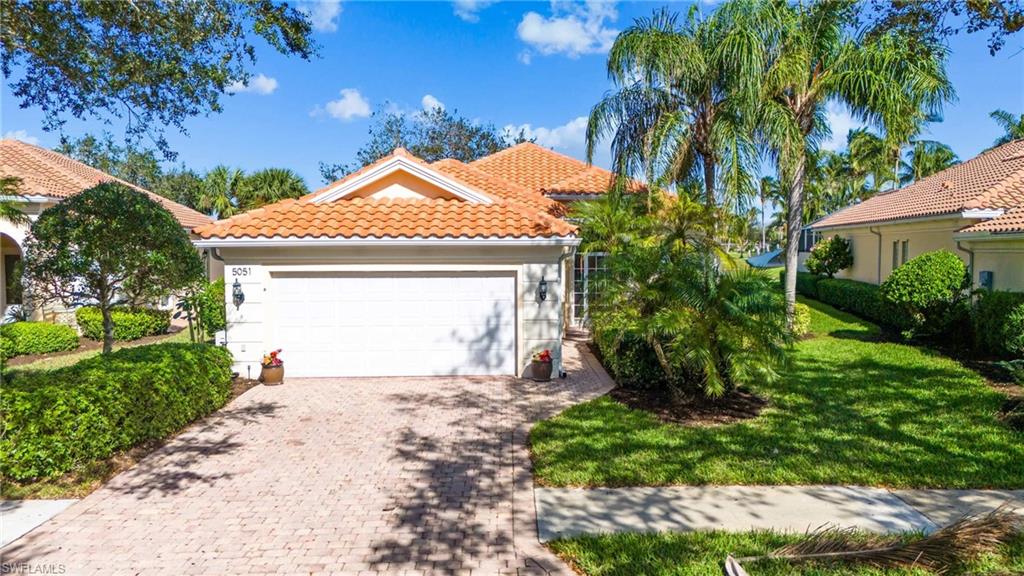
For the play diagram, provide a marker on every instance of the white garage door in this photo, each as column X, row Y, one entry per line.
column 394, row 324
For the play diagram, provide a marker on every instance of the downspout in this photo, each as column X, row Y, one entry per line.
column 879, row 234
column 566, row 304
column 970, row 262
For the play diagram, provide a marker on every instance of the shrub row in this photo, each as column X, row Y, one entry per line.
column 35, row 338
column 863, row 299
column 806, row 283
column 54, row 421
column 999, row 323
column 129, row 323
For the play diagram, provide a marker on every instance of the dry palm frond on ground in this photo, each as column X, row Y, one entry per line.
column 963, row 540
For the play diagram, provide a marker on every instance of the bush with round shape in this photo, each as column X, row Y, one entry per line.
column 19, row 338
column 926, row 288
column 109, row 244
column 830, row 256
column 129, row 323
column 58, row 420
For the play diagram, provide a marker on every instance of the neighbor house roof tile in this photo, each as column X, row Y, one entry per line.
column 46, row 173
column 992, row 180
column 1009, row 223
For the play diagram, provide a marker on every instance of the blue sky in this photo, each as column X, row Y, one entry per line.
column 537, row 66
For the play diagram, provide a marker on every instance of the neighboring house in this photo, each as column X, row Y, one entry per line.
column 47, row 178
column 974, row 209
column 405, row 268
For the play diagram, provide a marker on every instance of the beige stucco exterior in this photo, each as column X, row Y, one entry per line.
column 539, row 325
column 873, row 247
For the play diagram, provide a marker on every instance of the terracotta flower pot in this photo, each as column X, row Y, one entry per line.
column 540, row 371
column 272, row 375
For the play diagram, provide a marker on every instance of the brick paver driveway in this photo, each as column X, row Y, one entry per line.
column 426, row 475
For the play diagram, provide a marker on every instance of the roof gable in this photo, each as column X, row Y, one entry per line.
column 434, row 184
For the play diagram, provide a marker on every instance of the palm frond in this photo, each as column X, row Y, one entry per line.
column 963, row 540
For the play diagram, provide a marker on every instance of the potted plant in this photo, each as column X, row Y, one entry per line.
column 272, row 373
column 540, row 368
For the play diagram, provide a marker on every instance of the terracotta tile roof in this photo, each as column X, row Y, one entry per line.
column 545, row 171
column 46, row 173
column 388, row 218
column 993, row 179
column 498, row 188
column 1010, row 222
column 514, row 212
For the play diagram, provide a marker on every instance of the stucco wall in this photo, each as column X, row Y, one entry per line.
column 539, row 324
column 1004, row 258
column 925, row 236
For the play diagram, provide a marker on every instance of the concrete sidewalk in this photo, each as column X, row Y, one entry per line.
column 563, row 512
column 19, row 517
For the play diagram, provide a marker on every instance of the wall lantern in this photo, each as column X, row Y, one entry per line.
column 237, row 296
column 542, row 290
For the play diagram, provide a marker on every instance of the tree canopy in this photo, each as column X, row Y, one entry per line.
column 431, row 135
column 930, row 19
column 150, row 64
column 110, row 244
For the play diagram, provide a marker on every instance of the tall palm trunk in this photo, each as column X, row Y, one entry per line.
column 709, row 181
column 794, row 218
column 764, row 244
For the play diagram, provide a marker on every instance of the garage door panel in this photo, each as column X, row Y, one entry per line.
column 395, row 325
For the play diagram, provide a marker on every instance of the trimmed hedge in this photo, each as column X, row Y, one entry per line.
column 54, row 421
column 999, row 323
column 806, row 283
column 129, row 323
column 20, row 338
column 862, row 299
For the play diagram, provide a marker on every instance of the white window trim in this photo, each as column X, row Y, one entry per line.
column 396, row 164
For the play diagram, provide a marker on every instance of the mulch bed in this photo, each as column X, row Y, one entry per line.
column 694, row 411
column 85, row 345
column 240, row 386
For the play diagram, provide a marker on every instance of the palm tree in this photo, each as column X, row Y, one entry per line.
column 814, row 58
column 1013, row 126
column 270, row 185
column 677, row 112
column 871, row 155
column 219, row 196
column 925, row 158
column 9, row 209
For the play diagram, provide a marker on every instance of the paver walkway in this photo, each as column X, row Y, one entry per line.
column 565, row 512
column 321, row 476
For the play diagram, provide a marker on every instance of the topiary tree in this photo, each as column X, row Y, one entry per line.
column 927, row 287
column 830, row 256
column 109, row 245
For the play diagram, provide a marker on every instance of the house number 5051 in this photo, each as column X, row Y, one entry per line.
column 241, row 271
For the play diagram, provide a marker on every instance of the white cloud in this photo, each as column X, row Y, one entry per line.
column 430, row 102
column 469, row 10
column 572, row 29
column 351, row 105
column 525, row 57
column 841, row 122
column 258, row 84
column 323, row 14
column 569, row 136
column 21, row 135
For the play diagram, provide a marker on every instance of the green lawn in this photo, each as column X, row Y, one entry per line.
column 702, row 554
column 850, row 410
column 69, row 359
